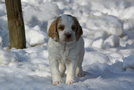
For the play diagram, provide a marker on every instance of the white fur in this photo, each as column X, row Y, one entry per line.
column 66, row 53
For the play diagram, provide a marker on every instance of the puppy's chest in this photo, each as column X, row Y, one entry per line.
column 64, row 54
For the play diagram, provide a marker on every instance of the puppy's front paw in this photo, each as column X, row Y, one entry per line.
column 57, row 82
column 70, row 82
column 81, row 74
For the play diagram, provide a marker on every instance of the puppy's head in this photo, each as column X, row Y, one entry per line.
column 65, row 28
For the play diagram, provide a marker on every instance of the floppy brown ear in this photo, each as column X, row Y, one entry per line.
column 79, row 30
column 52, row 31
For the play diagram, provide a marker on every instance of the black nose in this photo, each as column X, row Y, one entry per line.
column 68, row 35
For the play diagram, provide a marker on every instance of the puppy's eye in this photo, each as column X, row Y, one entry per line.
column 61, row 27
column 73, row 27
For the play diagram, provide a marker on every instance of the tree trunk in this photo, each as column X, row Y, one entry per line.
column 15, row 24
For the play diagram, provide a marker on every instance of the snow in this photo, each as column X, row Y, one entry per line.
column 111, row 41
column 98, row 43
column 128, row 62
column 39, row 36
column 7, row 57
column 108, row 23
column 108, row 32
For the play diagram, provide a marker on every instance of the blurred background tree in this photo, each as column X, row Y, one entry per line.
column 15, row 24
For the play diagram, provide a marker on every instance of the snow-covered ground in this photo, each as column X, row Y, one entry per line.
column 108, row 27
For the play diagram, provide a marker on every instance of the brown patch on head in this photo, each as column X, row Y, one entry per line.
column 61, row 27
column 52, row 32
column 77, row 28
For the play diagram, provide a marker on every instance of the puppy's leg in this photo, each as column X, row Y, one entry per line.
column 54, row 67
column 71, row 72
column 79, row 70
column 62, row 68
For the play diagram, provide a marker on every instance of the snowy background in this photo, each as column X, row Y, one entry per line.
column 108, row 27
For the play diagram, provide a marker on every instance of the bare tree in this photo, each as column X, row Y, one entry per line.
column 15, row 24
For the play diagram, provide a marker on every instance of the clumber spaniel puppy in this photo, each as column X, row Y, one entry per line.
column 65, row 48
